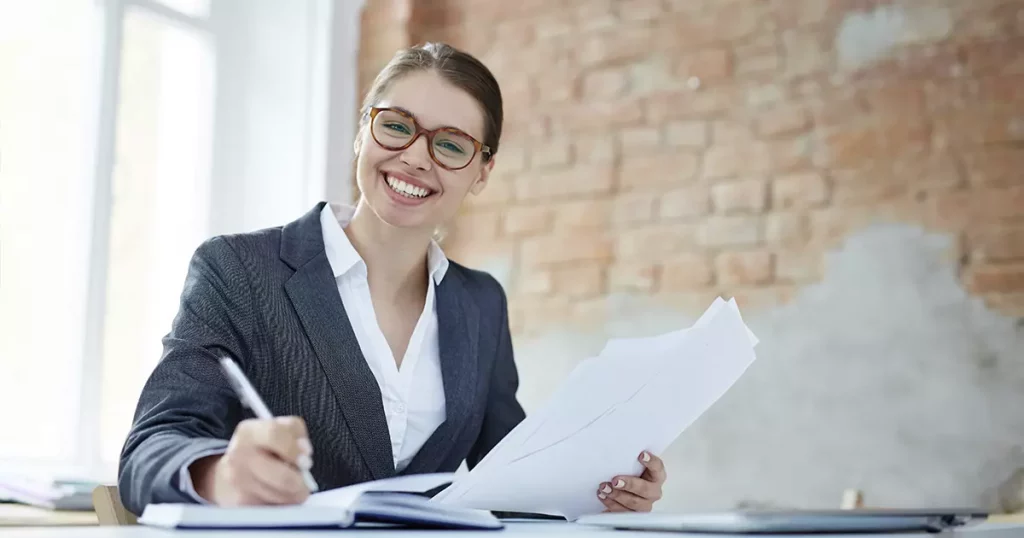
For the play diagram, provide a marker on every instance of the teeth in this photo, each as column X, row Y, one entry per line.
column 404, row 188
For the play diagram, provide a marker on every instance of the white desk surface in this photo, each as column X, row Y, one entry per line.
column 564, row 530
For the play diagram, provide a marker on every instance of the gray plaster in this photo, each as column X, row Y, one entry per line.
column 886, row 376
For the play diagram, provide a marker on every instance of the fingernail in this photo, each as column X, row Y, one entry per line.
column 645, row 456
column 305, row 446
column 620, row 483
column 606, row 489
column 602, row 496
column 305, row 462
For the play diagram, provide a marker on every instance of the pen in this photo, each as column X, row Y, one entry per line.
column 247, row 394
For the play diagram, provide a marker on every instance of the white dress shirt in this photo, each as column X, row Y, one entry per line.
column 413, row 395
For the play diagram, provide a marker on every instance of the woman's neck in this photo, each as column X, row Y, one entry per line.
column 396, row 258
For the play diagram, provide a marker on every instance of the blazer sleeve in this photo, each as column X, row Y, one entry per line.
column 187, row 409
column 503, row 412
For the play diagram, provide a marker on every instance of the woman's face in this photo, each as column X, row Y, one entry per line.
column 406, row 187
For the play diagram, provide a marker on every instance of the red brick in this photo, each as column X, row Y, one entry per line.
column 562, row 248
column 799, row 191
column 478, row 225
column 665, row 171
column 685, row 202
column 631, row 208
column 805, row 53
column 760, row 61
column 850, row 146
column 581, row 215
column 587, row 117
column 996, row 243
column 639, row 140
column 627, row 276
column 540, row 315
column 787, row 229
column 595, row 149
column 605, row 84
column 730, row 132
column 789, row 13
column 866, row 186
column 741, row 196
column 730, row 231
column 535, row 282
column 690, row 134
column 653, row 243
column 830, row 225
column 728, row 161
column 904, row 98
column 988, row 278
column 651, row 75
column 639, row 10
column 936, row 172
column 799, row 266
column 580, row 280
column 762, row 297
column 999, row 165
column 974, row 127
column 527, row 220
column 553, row 89
column 994, row 57
column 510, row 159
column 591, row 179
column 625, row 42
column 691, row 103
column 790, row 155
column 686, row 271
column 785, row 120
column 720, row 162
column 707, row 65
column 978, row 205
column 904, row 133
column 551, row 153
column 1009, row 304
column 765, row 95
column 744, row 268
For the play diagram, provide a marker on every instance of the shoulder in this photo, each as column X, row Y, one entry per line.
column 487, row 292
column 244, row 248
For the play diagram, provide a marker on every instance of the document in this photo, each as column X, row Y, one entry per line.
column 393, row 501
column 637, row 394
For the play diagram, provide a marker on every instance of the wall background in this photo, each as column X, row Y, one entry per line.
column 849, row 170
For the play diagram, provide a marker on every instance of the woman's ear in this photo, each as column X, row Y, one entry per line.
column 481, row 181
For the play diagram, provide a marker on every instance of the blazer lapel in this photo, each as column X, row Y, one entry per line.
column 458, row 334
column 314, row 294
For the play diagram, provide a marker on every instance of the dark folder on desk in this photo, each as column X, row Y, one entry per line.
column 792, row 521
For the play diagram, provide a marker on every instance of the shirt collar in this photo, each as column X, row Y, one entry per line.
column 343, row 256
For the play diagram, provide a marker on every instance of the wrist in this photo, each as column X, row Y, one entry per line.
column 202, row 472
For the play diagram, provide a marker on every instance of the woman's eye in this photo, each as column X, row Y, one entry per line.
column 397, row 127
column 452, row 147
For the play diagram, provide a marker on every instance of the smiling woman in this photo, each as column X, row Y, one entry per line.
column 379, row 355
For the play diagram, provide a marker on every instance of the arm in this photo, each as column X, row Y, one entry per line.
column 187, row 410
column 503, row 409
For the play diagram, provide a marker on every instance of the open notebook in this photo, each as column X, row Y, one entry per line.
column 394, row 501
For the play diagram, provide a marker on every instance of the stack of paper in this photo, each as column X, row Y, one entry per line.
column 637, row 394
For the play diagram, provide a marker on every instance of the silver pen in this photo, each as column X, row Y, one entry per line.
column 247, row 394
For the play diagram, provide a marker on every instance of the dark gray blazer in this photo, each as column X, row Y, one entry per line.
column 268, row 299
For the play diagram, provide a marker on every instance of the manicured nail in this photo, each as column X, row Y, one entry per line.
column 305, row 446
column 645, row 456
column 620, row 483
column 602, row 496
column 606, row 489
column 305, row 462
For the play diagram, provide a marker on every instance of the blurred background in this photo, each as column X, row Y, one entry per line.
column 849, row 170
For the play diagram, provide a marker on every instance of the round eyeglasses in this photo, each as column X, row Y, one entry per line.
column 395, row 129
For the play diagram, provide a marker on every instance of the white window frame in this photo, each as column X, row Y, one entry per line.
column 330, row 130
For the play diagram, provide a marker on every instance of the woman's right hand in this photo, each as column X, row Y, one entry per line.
column 262, row 465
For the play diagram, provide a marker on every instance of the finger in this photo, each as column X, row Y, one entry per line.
column 637, row 486
column 286, row 438
column 631, row 501
column 610, row 504
column 654, row 467
column 278, row 482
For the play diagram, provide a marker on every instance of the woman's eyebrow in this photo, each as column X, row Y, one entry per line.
column 407, row 111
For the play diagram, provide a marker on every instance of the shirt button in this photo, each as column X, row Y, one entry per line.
column 400, row 408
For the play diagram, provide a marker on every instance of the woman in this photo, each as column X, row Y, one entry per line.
column 397, row 359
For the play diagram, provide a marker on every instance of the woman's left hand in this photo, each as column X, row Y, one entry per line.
column 631, row 493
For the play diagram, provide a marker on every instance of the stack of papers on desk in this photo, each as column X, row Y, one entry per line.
column 50, row 492
column 637, row 394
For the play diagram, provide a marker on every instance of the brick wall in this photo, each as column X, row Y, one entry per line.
column 679, row 149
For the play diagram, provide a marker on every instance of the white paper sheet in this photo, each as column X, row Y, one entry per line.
column 638, row 394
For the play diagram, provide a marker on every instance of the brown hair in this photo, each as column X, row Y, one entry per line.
column 459, row 68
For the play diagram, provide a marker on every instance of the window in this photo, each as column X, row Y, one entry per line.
column 130, row 131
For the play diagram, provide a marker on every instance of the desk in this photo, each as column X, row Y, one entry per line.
column 13, row 515
column 522, row 529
